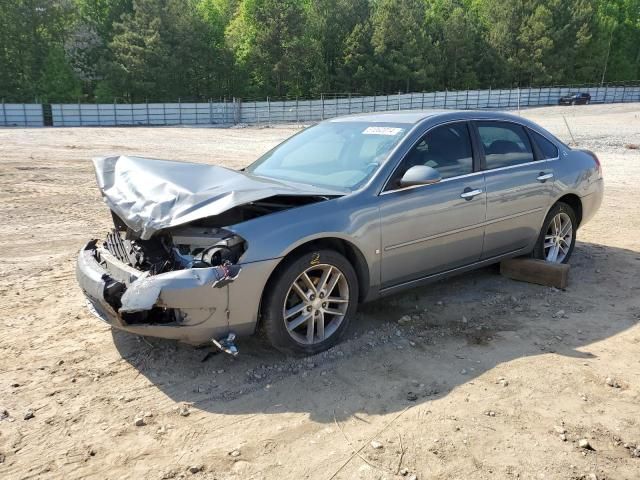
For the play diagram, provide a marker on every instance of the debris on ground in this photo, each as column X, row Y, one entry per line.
column 612, row 382
column 376, row 445
column 584, row 443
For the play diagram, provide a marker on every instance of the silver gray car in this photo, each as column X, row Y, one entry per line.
column 344, row 212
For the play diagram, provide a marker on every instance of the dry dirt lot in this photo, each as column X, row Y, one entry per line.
column 490, row 379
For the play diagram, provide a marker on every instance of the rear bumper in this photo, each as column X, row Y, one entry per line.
column 591, row 202
column 192, row 306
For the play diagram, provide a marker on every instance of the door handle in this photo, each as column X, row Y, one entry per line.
column 543, row 177
column 468, row 194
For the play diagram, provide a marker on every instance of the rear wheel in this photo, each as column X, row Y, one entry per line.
column 558, row 235
column 309, row 303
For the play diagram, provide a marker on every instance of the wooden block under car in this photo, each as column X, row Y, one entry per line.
column 536, row 271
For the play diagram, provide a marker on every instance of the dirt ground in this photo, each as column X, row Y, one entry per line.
column 490, row 379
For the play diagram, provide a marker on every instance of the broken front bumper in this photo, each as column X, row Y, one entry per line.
column 191, row 305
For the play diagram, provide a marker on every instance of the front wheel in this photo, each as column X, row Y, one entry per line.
column 309, row 303
column 558, row 235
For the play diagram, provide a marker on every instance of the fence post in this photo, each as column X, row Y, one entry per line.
column 146, row 104
column 210, row 114
column 398, row 99
column 98, row 113
column 164, row 113
column 179, row 111
column 349, row 110
column 24, row 114
column 446, row 91
column 79, row 113
column 624, row 90
column 374, row 101
column 489, row 98
column 133, row 122
column 115, row 113
column 62, row 115
column 268, row 112
column 4, row 114
column 322, row 101
column 387, row 106
column 297, row 110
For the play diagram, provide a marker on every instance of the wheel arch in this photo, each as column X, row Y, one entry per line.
column 574, row 202
column 350, row 251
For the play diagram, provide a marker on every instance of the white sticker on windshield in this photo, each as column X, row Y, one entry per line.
column 390, row 131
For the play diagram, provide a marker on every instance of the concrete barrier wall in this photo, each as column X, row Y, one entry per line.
column 296, row 111
column 74, row 115
column 21, row 115
column 303, row 111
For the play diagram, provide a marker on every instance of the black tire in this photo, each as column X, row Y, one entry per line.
column 558, row 208
column 273, row 321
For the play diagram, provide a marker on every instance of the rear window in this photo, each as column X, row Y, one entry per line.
column 548, row 149
column 505, row 144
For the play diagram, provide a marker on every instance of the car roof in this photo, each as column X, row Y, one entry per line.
column 400, row 116
column 412, row 117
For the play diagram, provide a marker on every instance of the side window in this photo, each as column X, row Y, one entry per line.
column 505, row 144
column 446, row 148
column 548, row 149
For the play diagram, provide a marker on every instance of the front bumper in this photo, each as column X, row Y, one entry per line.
column 192, row 306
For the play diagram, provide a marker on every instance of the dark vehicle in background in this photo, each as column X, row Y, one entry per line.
column 575, row 99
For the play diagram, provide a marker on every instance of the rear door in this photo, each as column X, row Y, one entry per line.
column 519, row 183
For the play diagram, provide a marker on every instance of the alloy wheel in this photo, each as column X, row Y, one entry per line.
column 316, row 304
column 557, row 240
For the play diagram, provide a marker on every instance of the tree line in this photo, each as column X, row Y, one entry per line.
column 162, row 50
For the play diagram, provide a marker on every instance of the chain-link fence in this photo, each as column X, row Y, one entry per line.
column 297, row 110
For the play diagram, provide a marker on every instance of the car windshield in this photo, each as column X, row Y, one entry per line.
column 340, row 155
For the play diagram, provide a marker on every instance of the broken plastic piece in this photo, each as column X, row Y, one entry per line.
column 227, row 345
column 143, row 293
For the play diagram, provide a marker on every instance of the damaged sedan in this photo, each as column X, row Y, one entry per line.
column 344, row 212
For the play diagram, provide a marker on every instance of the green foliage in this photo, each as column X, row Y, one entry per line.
column 58, row 82
column 132, row 50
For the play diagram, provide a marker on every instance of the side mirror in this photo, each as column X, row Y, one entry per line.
column 419, row 175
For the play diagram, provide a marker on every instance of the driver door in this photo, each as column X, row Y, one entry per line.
column 429, row 229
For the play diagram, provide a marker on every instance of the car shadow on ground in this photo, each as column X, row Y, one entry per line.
column 455, row 331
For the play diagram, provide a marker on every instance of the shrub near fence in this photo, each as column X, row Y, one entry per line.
column 297, row 110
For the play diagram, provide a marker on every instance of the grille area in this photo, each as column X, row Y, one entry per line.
column 121, row 249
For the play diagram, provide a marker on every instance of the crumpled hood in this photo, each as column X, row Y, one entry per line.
column 150, row 195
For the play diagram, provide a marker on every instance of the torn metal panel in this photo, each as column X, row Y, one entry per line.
column 145, row 292
column 150, row 195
